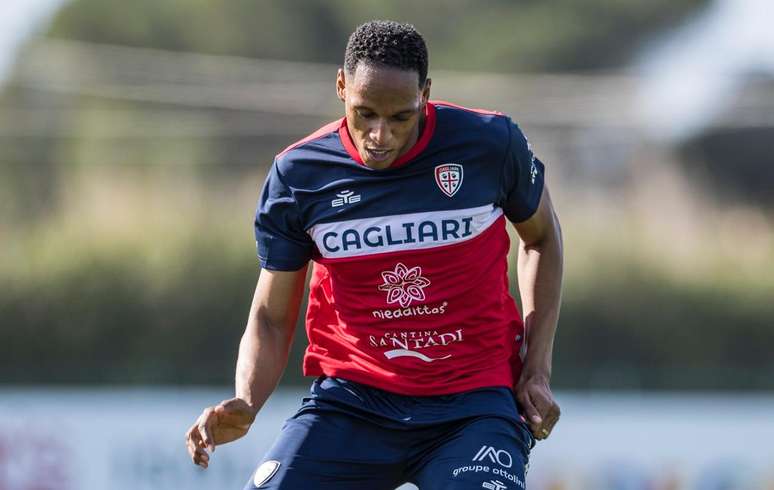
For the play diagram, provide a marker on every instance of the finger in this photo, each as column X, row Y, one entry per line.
column 190, row 446
column 551, row 410
column 206, row 421
column 542, row 433
column 554, row 411
column 552, row 418
column 201, row 458
column 533, row 416
column 198, row 455
column 542, row 400
column 549, row 422
column 192, row 440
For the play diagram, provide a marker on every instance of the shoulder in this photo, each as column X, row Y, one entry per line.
column 310, row 148
column 481, row 124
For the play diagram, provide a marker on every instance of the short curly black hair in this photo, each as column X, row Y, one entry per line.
column 387, row 43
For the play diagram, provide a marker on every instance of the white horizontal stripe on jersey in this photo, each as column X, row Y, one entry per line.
column 367, row 236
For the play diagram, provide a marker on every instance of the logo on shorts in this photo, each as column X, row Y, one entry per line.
column 494, row 485
column 448, row 176
column 499, row 456
column 265, row 472
column 404, row 285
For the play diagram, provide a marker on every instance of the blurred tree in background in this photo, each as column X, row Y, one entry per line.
column 128, row 179
column 493, row 35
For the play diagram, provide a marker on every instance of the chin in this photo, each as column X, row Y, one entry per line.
column 378, row 165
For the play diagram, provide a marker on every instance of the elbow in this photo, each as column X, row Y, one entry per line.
column 264, row 323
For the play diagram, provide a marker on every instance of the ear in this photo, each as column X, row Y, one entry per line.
column 341, row 84
column 426, row 91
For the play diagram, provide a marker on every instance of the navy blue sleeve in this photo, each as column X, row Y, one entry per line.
column 282, row 243
column 522, row 183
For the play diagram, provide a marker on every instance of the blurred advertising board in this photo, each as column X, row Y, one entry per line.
column 82, row 439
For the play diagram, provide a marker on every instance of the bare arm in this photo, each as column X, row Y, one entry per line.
column 263, row 355
column 540, row 284
column 263, row 351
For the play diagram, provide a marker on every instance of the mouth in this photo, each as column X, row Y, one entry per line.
column 377, row 155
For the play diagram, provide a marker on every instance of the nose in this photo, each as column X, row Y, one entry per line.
column 380, row 132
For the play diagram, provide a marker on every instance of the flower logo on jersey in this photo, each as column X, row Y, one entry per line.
column 404, row 285
column 448, row 176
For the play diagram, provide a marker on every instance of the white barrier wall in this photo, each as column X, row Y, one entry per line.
column 75, row 439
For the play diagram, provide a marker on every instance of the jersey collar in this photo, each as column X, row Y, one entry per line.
column 414, row 151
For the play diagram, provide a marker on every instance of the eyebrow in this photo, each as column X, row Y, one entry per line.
column 404, row 111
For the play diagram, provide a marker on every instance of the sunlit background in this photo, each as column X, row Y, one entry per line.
column 134, row 138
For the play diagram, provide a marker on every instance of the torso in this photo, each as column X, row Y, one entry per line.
column 409, row 291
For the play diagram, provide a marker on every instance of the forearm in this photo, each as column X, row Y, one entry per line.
column 540, row 284
column 263, row 355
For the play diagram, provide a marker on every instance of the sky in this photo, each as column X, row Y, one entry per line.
column 18, row 20
column 692, row 74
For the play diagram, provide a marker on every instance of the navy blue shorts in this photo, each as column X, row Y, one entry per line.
column 384, row 440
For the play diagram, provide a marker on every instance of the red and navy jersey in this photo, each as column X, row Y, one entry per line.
column 409, row 289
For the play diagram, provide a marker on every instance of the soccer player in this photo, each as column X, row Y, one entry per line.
column 426, row 372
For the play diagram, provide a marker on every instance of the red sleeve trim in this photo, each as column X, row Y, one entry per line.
column 477, row 111
column 325, row 130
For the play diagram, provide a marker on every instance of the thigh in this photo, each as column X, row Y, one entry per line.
column 485, row 452
column 330, row 450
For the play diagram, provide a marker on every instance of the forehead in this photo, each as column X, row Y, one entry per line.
column 379, row 85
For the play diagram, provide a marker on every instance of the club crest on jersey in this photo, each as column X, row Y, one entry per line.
column 448, row 176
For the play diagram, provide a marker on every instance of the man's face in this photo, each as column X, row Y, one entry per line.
column 384, row 106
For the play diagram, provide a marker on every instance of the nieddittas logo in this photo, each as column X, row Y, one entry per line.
column 404, row 285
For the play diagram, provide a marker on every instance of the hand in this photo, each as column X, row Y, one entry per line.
column 541, row 410
column 226, row 422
